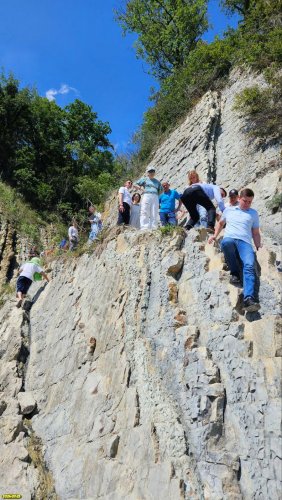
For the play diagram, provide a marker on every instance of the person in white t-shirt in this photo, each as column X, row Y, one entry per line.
column 26, row 278
column 73, row 236
column 124, row 203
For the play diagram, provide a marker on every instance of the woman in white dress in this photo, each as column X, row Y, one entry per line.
column 135, row 211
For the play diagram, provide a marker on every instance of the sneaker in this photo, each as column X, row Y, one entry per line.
column 250, row 305
column 234, row 280
column 19, row 303
column 188, row 227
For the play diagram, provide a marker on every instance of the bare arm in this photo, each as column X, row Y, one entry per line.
column 256, row 237
column 218, row 228
column 120, row 202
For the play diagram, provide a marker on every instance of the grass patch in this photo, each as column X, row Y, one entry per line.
column 275, row 203
column 24, row 219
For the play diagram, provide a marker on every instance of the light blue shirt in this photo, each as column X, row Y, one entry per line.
column 152, row 186
column 213, row 192
column 167, row 201
column 239, row 223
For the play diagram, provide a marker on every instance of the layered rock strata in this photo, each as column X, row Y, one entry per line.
column 179, row 398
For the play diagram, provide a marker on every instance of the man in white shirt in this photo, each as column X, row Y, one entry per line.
column 26, row 277
column 124, row 203
column 242, row 226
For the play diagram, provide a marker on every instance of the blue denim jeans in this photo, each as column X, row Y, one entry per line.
column 203, row 217
column 231, row 247
column 168, row 218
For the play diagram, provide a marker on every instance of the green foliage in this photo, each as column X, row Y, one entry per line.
column 25, row 220
column 240, row 6
column 256, row 43
column 168, row 30
column 168, row 230
column 55, row 157
column 275, row 203
column 262, row 109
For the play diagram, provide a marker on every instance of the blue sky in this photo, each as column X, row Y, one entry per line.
column 76, row 47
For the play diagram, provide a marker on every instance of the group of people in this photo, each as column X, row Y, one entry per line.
column 96, row 226
column 158, row 202
column 241, row 222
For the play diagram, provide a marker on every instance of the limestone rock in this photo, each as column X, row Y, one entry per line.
column 27, row 402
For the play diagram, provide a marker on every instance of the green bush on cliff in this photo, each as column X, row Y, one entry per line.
column 262, row 109
column 256, row 44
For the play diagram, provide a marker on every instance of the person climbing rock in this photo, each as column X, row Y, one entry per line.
column 27, row 276
column 200, row 193
column 73, row 236
column 167, row 205
column 233, row 196
column 242, row 225
column 96, row 224
column 124, row 203
column 150, row 200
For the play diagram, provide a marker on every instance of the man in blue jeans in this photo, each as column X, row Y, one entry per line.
column 242, row 226
column 167, row 205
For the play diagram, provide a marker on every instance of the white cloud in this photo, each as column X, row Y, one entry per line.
column 64, row 89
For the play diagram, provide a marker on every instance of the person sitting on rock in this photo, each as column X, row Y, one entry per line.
column 242, row 225
column 201, row 193
column 27, row 276
column 167, row 205
column 124, row 203
column 150, row 199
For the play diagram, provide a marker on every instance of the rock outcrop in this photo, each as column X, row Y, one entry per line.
column 134, row 374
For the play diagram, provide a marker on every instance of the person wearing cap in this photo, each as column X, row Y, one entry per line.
column 26, row 277
column 201, row 193
column 233, row 198
column 124, row 203
column 167, row 205
column 150, row 199
column 242, row 226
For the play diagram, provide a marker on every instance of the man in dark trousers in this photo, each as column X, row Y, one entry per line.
column 124, row 203
column 202, row 194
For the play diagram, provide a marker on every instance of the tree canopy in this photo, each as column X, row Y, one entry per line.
column 168, row 30
column 56, row 157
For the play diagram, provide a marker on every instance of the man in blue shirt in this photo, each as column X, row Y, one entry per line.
column 242, row 226
column 167, row 205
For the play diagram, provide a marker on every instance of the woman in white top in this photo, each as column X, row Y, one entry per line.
column 135, row 211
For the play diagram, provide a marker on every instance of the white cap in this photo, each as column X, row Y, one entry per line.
column 151, row 169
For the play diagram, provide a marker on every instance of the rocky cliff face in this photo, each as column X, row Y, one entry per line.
column 135, row 374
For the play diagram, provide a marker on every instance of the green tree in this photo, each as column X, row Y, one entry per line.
column 239, row 6
column 168, row 30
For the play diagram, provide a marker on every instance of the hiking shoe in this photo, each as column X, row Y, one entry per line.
column 19, row 303
column 234, row 280
column 210, row 230
column 250, row 305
